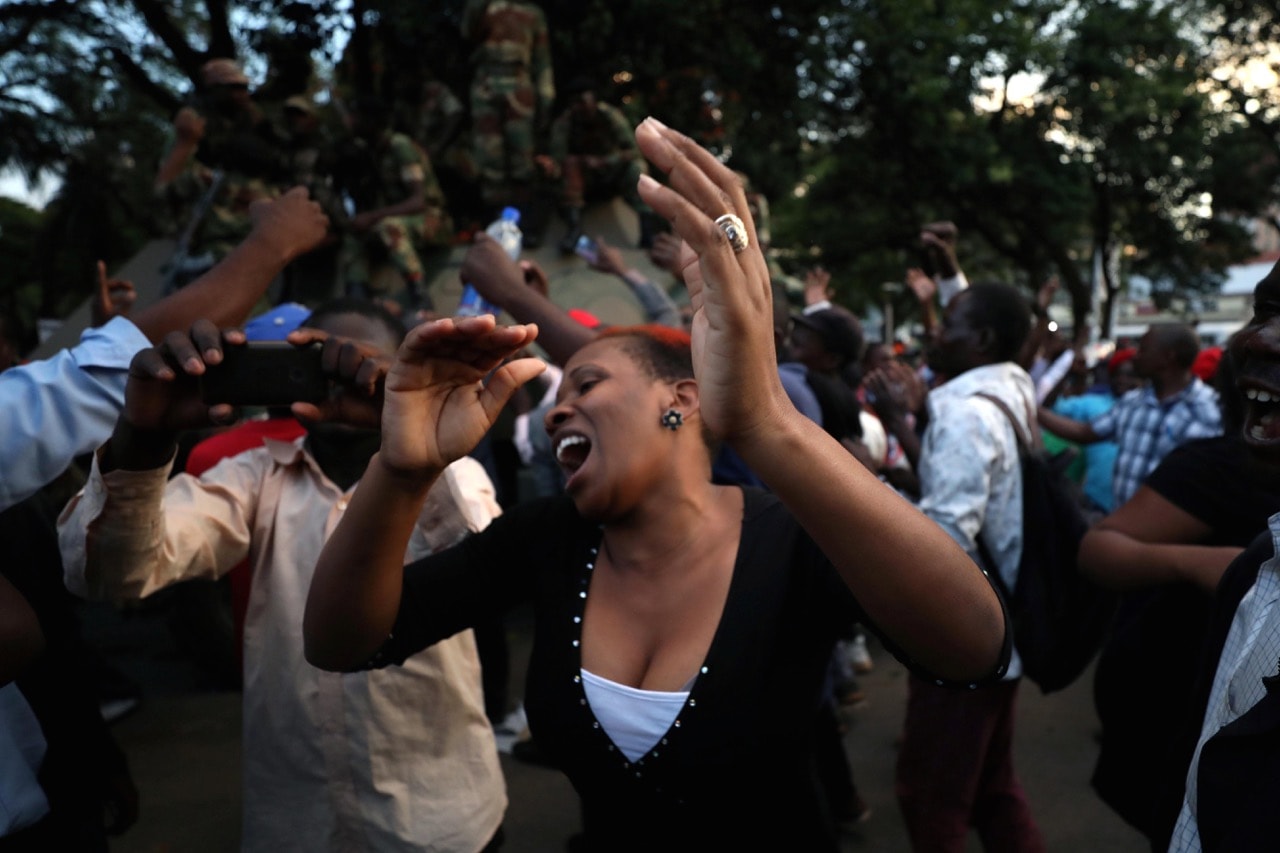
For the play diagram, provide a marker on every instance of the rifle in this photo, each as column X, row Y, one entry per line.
column 178, row 263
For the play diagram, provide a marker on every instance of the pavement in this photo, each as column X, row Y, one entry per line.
column 183, row 743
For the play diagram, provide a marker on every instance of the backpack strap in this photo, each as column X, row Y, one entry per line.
column 1026, row 442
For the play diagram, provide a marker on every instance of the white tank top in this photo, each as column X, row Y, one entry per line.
column 634, row 719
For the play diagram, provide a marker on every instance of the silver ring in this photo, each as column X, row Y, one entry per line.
column 734, row 231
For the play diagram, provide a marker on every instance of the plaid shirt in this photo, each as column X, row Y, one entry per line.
column 1248, row 656
column 1147, row 429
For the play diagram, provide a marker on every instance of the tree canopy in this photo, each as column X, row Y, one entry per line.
column 1127, row 136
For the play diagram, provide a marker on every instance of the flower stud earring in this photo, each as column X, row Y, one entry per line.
column 672, row 419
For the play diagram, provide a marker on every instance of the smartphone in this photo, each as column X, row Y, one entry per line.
column 266, row 373
column 587, row 249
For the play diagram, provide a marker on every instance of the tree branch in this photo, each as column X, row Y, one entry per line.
column 30, row 15
column 138, row 76
column 221, row 42
column 162, row 26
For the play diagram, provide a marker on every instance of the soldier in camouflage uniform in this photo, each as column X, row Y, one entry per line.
column 310, row 154
column 511, row 95
column 311, row 159
column 593, row 153
column 222, row 130
column 437, row 122
column 400, row 213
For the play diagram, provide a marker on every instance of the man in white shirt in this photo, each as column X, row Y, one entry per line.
column 955, row 767
column 394, row 759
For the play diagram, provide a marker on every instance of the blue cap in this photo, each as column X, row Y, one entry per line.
column 276, row 324
column 510, row 214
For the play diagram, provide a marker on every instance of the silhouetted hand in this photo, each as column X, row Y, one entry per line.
column 163, row 391
column 920, row 284
column 489, row 269
column 291, row 224
column 896, row 390
column 939, row 242
column 666, row 253
column 115, row 298
column 817, row 288
column 608, row 259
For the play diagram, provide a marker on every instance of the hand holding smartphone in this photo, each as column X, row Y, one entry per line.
column 266, row 373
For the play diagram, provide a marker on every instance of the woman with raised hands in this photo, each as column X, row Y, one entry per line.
column 682, row 628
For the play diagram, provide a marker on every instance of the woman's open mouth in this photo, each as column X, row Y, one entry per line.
column 572, row 451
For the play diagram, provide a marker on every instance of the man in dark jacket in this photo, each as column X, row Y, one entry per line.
column 1230, row 756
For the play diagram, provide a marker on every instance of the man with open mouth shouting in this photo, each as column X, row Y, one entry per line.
column 1230, row 757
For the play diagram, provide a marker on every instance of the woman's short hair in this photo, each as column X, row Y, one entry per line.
column 661, row 351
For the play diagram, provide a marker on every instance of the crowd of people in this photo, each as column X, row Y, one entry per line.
column 722, row 502
column 404, row 175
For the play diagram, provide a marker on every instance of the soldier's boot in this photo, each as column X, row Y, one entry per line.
column 572, row 216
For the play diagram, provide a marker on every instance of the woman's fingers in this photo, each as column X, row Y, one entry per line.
column 473, row 340
column 504, row 382
column 701, row 190
column 706, row 241
column 694, row 172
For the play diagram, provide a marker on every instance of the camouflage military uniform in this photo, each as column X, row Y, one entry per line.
column 436, row 125
column 310, row 154
column 400, row 165
column 511, row 91
column 607, row 135
column 246, row 149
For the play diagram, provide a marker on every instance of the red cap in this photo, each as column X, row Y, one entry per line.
column 1206, row 363
column 1119, row 357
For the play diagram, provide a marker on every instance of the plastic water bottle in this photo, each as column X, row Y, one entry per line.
column 506, row 230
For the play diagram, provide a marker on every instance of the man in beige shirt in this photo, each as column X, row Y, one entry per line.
column 396, row 759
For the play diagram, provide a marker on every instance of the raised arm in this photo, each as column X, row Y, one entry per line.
column 1064, row 427
column 132, row 531
column 504, row 282
column 53, row 410
column 913, row 581
column 924, row 289
column 438, row 405
column 283, row 229
column 1150, row 541
column 899, row 392
column 658, row 307
column 188, row 127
